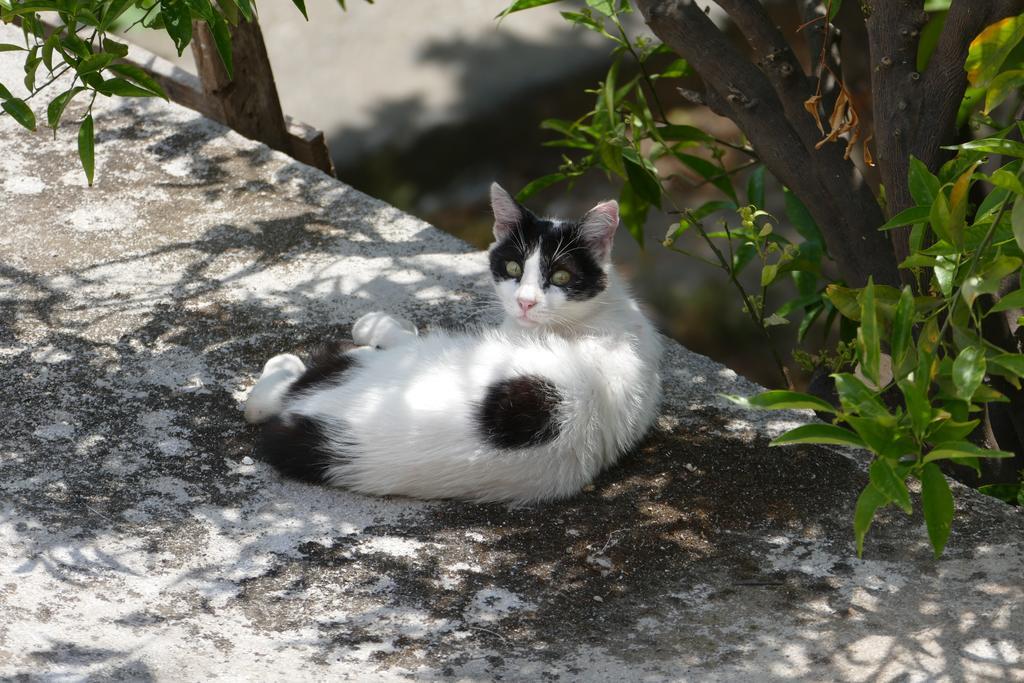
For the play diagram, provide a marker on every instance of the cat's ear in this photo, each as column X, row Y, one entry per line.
column 598, row 228
column 507, row 212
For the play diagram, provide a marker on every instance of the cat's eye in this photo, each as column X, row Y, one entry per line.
column 560, row 278
column 513, row 268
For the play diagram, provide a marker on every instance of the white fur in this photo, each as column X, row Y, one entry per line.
column 264, row 400
column 404, row 419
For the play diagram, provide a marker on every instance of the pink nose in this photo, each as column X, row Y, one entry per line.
column 525, row 305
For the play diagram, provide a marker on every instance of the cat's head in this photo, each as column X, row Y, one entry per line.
column 547, row 271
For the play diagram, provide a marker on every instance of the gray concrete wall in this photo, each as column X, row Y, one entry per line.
column 140, row 540
column 381, row 75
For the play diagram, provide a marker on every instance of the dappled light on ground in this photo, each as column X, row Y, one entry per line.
column 139, row 538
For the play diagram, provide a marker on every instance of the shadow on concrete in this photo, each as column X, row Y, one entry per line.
column 473, row 142
column 133, row 510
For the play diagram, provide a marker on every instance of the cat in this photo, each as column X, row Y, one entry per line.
column 527, row 412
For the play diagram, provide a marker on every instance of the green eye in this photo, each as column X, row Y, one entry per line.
column 560, row 278
column 513, row 268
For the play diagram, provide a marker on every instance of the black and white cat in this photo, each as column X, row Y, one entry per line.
column 530, row 411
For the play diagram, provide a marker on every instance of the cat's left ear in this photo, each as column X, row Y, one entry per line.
column 507, row 212
column 598, row 228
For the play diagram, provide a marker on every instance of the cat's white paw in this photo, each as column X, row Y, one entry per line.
column 382, row 330
column 264, row 400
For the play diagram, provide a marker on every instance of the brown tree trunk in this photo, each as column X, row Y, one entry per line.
column 914, row 113
column 248, row 102
column 766, row 101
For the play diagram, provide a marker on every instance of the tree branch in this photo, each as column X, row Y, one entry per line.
column 915, row 113
column 740, row 91
column 945, row 79
column 893, row 29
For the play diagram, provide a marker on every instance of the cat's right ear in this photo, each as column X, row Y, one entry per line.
column 507, row 212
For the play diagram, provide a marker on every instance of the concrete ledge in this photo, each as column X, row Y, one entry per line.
column 139, row 539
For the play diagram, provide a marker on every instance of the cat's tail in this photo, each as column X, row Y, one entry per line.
column 267, row 398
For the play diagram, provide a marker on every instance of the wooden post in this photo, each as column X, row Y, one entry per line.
column 248, row 103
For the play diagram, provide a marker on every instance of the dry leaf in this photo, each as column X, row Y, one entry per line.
column 811, row 105
column 843, row 120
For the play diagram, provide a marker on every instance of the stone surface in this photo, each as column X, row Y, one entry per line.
column 139, row 538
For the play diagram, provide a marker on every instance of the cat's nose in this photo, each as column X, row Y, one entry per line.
column 525, row 305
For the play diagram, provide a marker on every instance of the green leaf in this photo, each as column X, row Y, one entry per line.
column 119, row 86
column 1006, row 180
column 301, row 4
column 222, row 39
column 643, row 181
column 902, row 325
column 924, row 186
column 945, row 268
column 177, row 20
column 681, row 133
column 1002, row 87
column 605, row 7
column 930, row 34
column 245, row 6
column 140, row 76
column 709, row 172
column 114, row 10
column 918, row 407
column 93, row 63
column 1017, row 221
column 784, row 400
column 1008, row 493
column 990, row 49
column 868, row 342
column 56, row 108
column 755, row 187
column 994, row 146
column 535, row 186
column 586, row 21
column 1012, row 363
column 962, row 449
column 845, row 300
column 677, row 69
column 941, row 219
column 86, row 148
column 915, row 214
column 868, row 502
column 950, row 430
column 1011, row 301
column 633, row 212
column 986, row 394
column 20, row 112
column 937, row 501
column 968, row 372
column 801, row 218
column 608, row 93
column 890, row 484
column 881, row 435
column 47, row 52
column 820, row 433
column 518, row 6
column 115, row 48
column 856, row 397
column 7, row 47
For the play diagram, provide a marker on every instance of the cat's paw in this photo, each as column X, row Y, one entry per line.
column 264, row 401
column 382, row 330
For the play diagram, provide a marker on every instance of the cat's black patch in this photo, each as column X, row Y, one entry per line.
column 562, row 247
column 297, row 447
column 327, row 364
column 519, row 412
